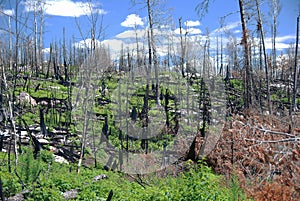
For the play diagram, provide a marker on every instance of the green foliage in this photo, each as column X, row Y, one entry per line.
column 237, row 84
column 29, row 117
column 45, row 194
column 46, row 156
column 29, row 168
column 196, row 184
column 10, row 184
column 199, row 183
column 235, row 193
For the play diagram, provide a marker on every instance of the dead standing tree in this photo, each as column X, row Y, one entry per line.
column 274, row 12
column 14, row 137
column 260, row 29
column 157, row 15
column 153, row 45
column 15, row 35
column 245, row 43
column 202, row 8
column 92, row 70
column 296, row 71
column 182, row 47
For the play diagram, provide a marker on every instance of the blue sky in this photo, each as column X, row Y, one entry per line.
column 119, row 15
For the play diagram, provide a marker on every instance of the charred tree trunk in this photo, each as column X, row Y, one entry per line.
column 50, row 60
column 42, row 123
column 11, row 118
column 182, row 49
column 155, row 61
column 295, row 80
column 245, row 43
column 260, row 29
column 195, row 148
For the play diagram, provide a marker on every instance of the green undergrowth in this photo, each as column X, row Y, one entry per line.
column 47, row 180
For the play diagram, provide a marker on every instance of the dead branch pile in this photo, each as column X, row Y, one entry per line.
column 264, row 152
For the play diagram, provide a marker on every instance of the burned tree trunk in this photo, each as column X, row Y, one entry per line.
column 42, row 123
column 155, row 60
column 245, row 43
column 294, row 106
column 260, row 28
column 195, row 148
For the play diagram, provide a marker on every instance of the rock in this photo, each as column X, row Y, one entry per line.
column 99, row 177
column 17, row 197
column 60, row 159
column 26, row 98
column 71, row 194
column 23, row 133
column 52, row 149
column 44, row 103
column 54, row 87
column 43, row 141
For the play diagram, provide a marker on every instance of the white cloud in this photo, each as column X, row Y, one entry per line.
column 65, row 8
column 8, row 12
column 115, row 47
column 164, row 37
column 237, row 31
column 289, row 38
column 190, row 23
column 140, row 33
column 194, row 31
column 279, row 46
column 229, row 27
column 132, row 20
column 87, row 43
column 189, row 31
column 114, row 44
column 46, row 50
column 282, row 42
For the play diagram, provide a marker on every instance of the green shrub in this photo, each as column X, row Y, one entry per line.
column 46, row 156
column 28, row 167
column 10, row 184
column 45, row 194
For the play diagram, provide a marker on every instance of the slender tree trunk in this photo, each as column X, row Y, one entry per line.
column 247, row 76
column 295, row 80
column 204, row 59
column 10, row 44
column 217, row 54
column 208, row 53
column 155, row 61
column 221, row 66
column 144, row 143
column 11, row 118
column 260, row 27
column 35, row 40
column 65, row 58
column 83, row 141
column 41, row 54
column 274, row 12
column 138, row 62
column 182, row 59
column 274, row 55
